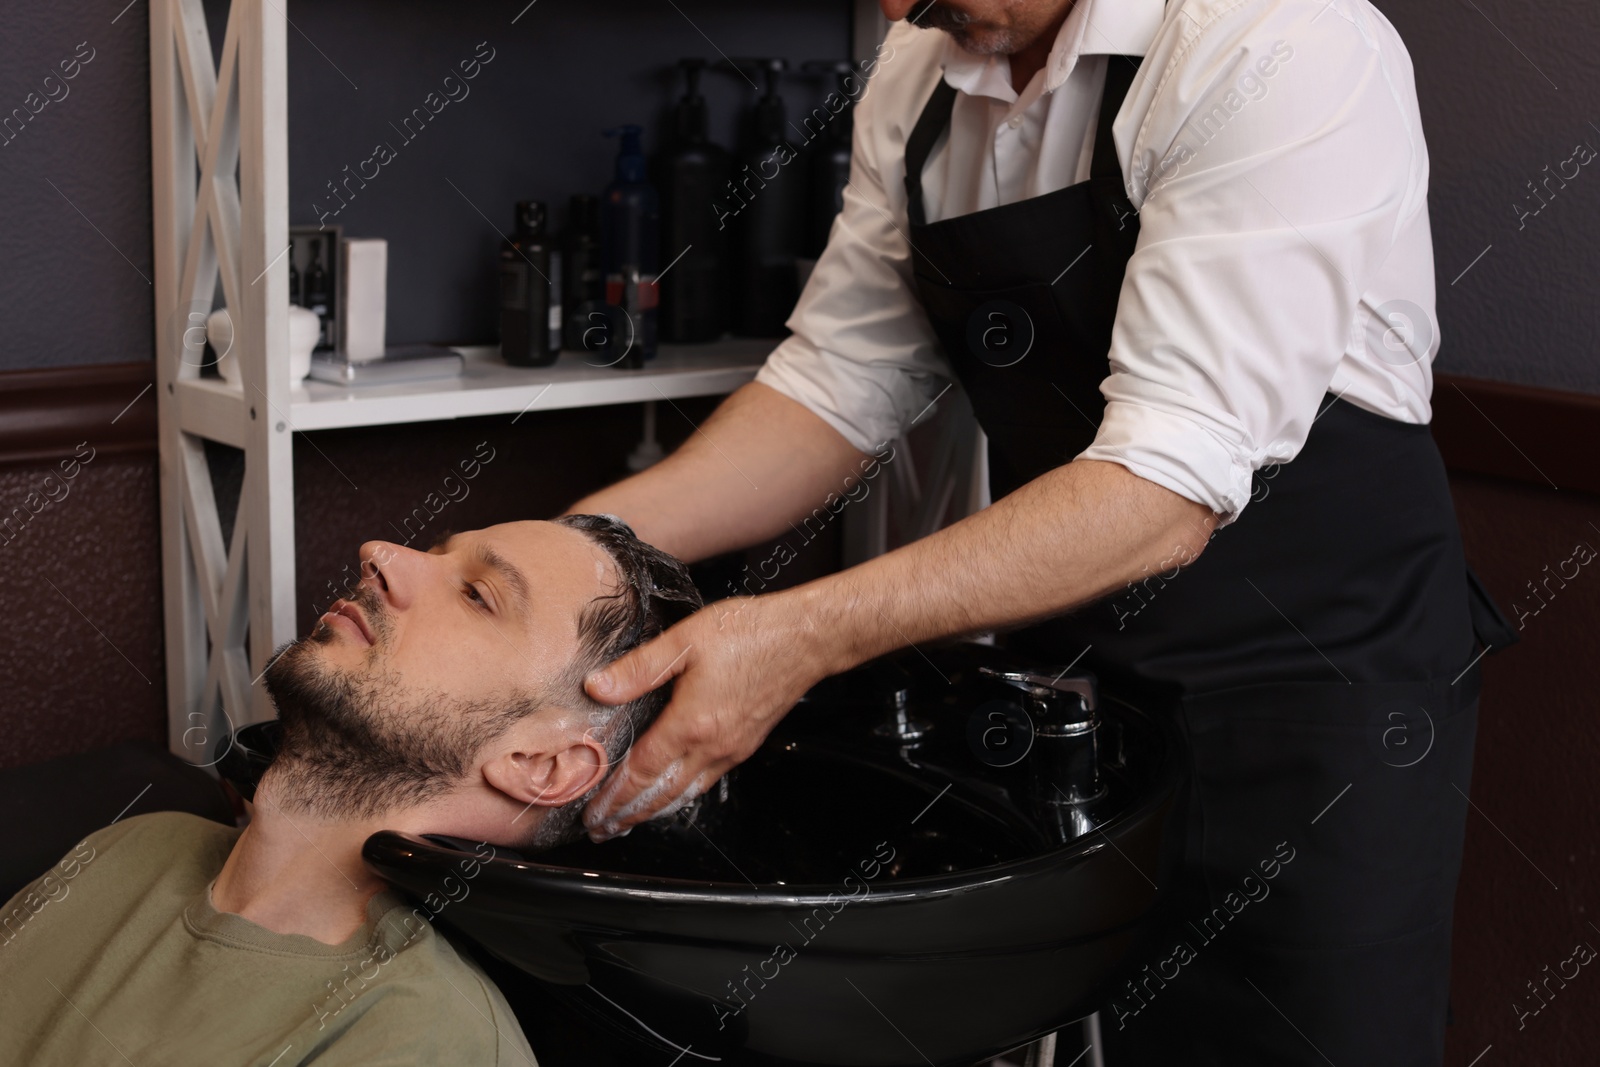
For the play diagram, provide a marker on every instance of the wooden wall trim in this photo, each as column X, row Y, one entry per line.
column 45, row 413
column 1543, row 437
column 1523, row 433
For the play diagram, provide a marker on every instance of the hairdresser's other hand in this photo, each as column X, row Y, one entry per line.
column 740, row 665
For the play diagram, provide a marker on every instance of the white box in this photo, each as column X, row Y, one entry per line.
column 363, row 296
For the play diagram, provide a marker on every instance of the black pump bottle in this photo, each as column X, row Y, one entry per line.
column 691, row 175
column 530, row 297
column 766, row 197
column 585, row 277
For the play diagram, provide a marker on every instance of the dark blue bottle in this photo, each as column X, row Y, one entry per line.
column 630, row 240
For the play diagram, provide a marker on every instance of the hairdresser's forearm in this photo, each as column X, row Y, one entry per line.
column 1068, row 537
column 759, row 463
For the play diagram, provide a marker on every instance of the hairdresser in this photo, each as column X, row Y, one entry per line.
column 1178, row 256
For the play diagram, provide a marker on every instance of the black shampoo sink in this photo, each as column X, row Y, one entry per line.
column 875, row 886
column 793, row 815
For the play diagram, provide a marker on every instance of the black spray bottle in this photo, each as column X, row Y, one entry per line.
column 585, row 278
column 828, row 130
column 768, row 195
column 691, row 174
column 630, row 239
column 530, row 296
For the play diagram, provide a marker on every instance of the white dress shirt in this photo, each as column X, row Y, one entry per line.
column 1274, row 152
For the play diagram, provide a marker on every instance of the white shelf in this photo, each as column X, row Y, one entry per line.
column 212, row 408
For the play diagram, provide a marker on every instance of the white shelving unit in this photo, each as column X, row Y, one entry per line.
column 220, row 180
column 220, row 163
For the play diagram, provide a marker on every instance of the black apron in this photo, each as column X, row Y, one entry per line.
column 1316, row 655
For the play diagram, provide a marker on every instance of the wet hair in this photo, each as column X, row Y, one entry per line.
column 653, row 591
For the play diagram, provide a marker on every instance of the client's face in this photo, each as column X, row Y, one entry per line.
column 394, row 694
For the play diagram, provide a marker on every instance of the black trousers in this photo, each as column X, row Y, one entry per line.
column 1313, row 867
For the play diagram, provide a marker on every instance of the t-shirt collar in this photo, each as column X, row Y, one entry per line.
column 1095, row 27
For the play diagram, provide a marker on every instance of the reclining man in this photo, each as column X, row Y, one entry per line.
column 445, row 695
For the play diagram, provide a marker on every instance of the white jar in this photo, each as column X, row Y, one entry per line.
column 304, row 329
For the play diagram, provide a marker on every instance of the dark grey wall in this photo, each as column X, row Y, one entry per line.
column 1507, row 88
column 1524, row 312
column 75, row 186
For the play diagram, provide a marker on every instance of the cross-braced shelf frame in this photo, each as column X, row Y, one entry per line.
column 219, row 146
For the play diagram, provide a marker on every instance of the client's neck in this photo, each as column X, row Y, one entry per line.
column 296, row 873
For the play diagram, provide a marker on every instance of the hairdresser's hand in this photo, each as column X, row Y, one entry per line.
column 740, row 665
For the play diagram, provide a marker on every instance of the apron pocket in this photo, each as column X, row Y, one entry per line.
column 1328, row 815
column 1489, row 623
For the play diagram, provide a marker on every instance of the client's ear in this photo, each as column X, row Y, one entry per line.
column 549, row 776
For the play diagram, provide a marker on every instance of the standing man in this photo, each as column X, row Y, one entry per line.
column 1178, row 256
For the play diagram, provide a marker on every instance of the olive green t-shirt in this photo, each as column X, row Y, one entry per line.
column 116, row 955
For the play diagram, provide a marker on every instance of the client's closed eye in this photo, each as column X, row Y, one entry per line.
column 470, row 591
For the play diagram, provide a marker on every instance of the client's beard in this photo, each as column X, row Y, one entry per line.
column 354, row 750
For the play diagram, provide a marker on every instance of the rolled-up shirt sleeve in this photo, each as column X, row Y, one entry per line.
column 863, row 356
column 1273, row 162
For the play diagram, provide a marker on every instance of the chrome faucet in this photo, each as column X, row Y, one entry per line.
column 900, row 724
column 1065, row 757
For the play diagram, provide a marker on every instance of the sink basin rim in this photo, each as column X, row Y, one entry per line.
column 384, row 848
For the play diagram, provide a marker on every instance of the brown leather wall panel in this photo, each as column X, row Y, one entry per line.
column 81, row 664
column 1530, row 884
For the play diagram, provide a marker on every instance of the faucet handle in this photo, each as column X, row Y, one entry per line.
column 1045, row 689
column 1066, row 753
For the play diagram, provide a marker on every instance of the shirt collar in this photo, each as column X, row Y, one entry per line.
column 1095, row 27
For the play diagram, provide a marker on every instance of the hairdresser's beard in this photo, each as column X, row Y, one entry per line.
column 979, row 38
column 358, row 747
